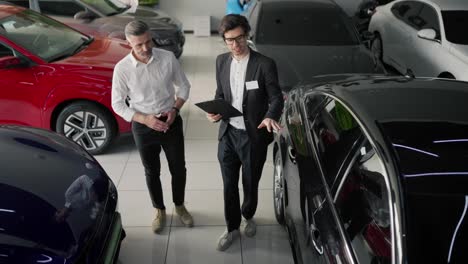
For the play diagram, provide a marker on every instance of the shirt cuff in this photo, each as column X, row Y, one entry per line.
column 128, row 115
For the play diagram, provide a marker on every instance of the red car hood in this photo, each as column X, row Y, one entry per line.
column 101, row 53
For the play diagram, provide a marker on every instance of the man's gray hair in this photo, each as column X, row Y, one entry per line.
column 136, row 28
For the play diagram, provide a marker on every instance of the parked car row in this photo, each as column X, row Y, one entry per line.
column 109, row 18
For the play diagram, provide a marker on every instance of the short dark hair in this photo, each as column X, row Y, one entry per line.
column 232, row 21
column 136, row 28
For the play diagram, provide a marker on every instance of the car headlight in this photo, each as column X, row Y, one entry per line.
column 163, row 42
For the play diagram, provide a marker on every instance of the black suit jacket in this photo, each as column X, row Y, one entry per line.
column 258, row 104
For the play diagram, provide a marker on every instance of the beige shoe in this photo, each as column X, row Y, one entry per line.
column 184, row 215
column 226, row 239
column 250, row 227
column 160, row 221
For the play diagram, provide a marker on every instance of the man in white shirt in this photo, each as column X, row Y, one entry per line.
column 148, row 77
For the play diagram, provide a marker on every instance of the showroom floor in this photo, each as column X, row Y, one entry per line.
column 204, row 196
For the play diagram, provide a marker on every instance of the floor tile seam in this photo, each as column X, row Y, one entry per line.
column 169, row 236
column 123, row 170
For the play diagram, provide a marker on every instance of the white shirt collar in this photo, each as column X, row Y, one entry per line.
column 136, row 62
column 244, row 59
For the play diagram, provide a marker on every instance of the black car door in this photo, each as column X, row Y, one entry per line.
column 336, row 138
column 353, row 221
column 301, row 174
column 362, row 203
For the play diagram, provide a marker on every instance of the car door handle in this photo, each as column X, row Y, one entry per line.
column 315, row 238
column 292, row 154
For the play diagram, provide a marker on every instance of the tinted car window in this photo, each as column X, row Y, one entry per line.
column 5, row 51
column 335, row 132
column 429, row 18
column 60, row 8
column 455, row 25
column 362, row 203
column 408, row 12
column 298, row 23
column 107, row 7
column 432, row 158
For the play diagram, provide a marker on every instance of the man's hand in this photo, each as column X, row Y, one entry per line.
column 153, row 122
column 213, row 117
column 171, row 115
column 270, row 124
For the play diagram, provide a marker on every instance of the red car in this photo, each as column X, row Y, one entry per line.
column 54, row 77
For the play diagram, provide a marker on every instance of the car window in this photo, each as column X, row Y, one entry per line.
column 283, row 23
column 107, row 7
column 42, row 36
column 455, row 25
column 335, row 132
column 429, row 18
column 362, row 202
column 67, row 8
column 23, row 3
column 5, row 51
column 408, row 12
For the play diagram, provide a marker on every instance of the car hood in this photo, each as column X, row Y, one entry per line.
column 41, row 175
column 102, row 53
column 461, row 52
column 153, row 18
column 298, row 64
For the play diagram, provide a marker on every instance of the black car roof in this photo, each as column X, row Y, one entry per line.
column 400, row 98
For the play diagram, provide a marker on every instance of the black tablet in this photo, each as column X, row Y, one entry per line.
column 219, row 106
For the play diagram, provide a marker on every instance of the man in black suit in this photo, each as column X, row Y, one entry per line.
column 248, row 81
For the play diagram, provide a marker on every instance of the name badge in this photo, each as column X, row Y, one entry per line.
column 251, row 85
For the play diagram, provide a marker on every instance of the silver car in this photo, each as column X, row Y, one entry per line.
column 423, row 37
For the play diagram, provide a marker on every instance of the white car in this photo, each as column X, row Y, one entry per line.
column 424, row 38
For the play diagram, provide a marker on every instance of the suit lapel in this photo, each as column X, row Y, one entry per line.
column 227, row 79
column 252, row 67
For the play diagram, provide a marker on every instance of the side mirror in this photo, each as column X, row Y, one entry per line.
column 428, row 33
column 84, row 15
column 9, row 62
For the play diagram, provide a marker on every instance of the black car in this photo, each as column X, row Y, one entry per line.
column 109, row 18
column 308, row 38
column 57, row 205
column 374, row 170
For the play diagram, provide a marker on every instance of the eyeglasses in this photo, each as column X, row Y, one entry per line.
column 239, row 39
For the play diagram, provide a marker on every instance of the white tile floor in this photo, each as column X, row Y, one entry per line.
column 204, row 197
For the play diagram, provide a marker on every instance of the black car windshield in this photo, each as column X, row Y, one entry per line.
column 107, row 7
column 299, row 23
column 455, row 24
column 42, row 36
column 433, row 161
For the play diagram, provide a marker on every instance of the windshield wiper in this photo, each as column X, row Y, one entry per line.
column 75, row 51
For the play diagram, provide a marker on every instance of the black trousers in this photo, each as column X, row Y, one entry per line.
column 149, row 143
column 236, row 151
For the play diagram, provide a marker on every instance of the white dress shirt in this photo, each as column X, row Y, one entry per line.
column 150, row 87
column 237, row 79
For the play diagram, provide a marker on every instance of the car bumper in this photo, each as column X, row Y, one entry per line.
column 113, row 240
